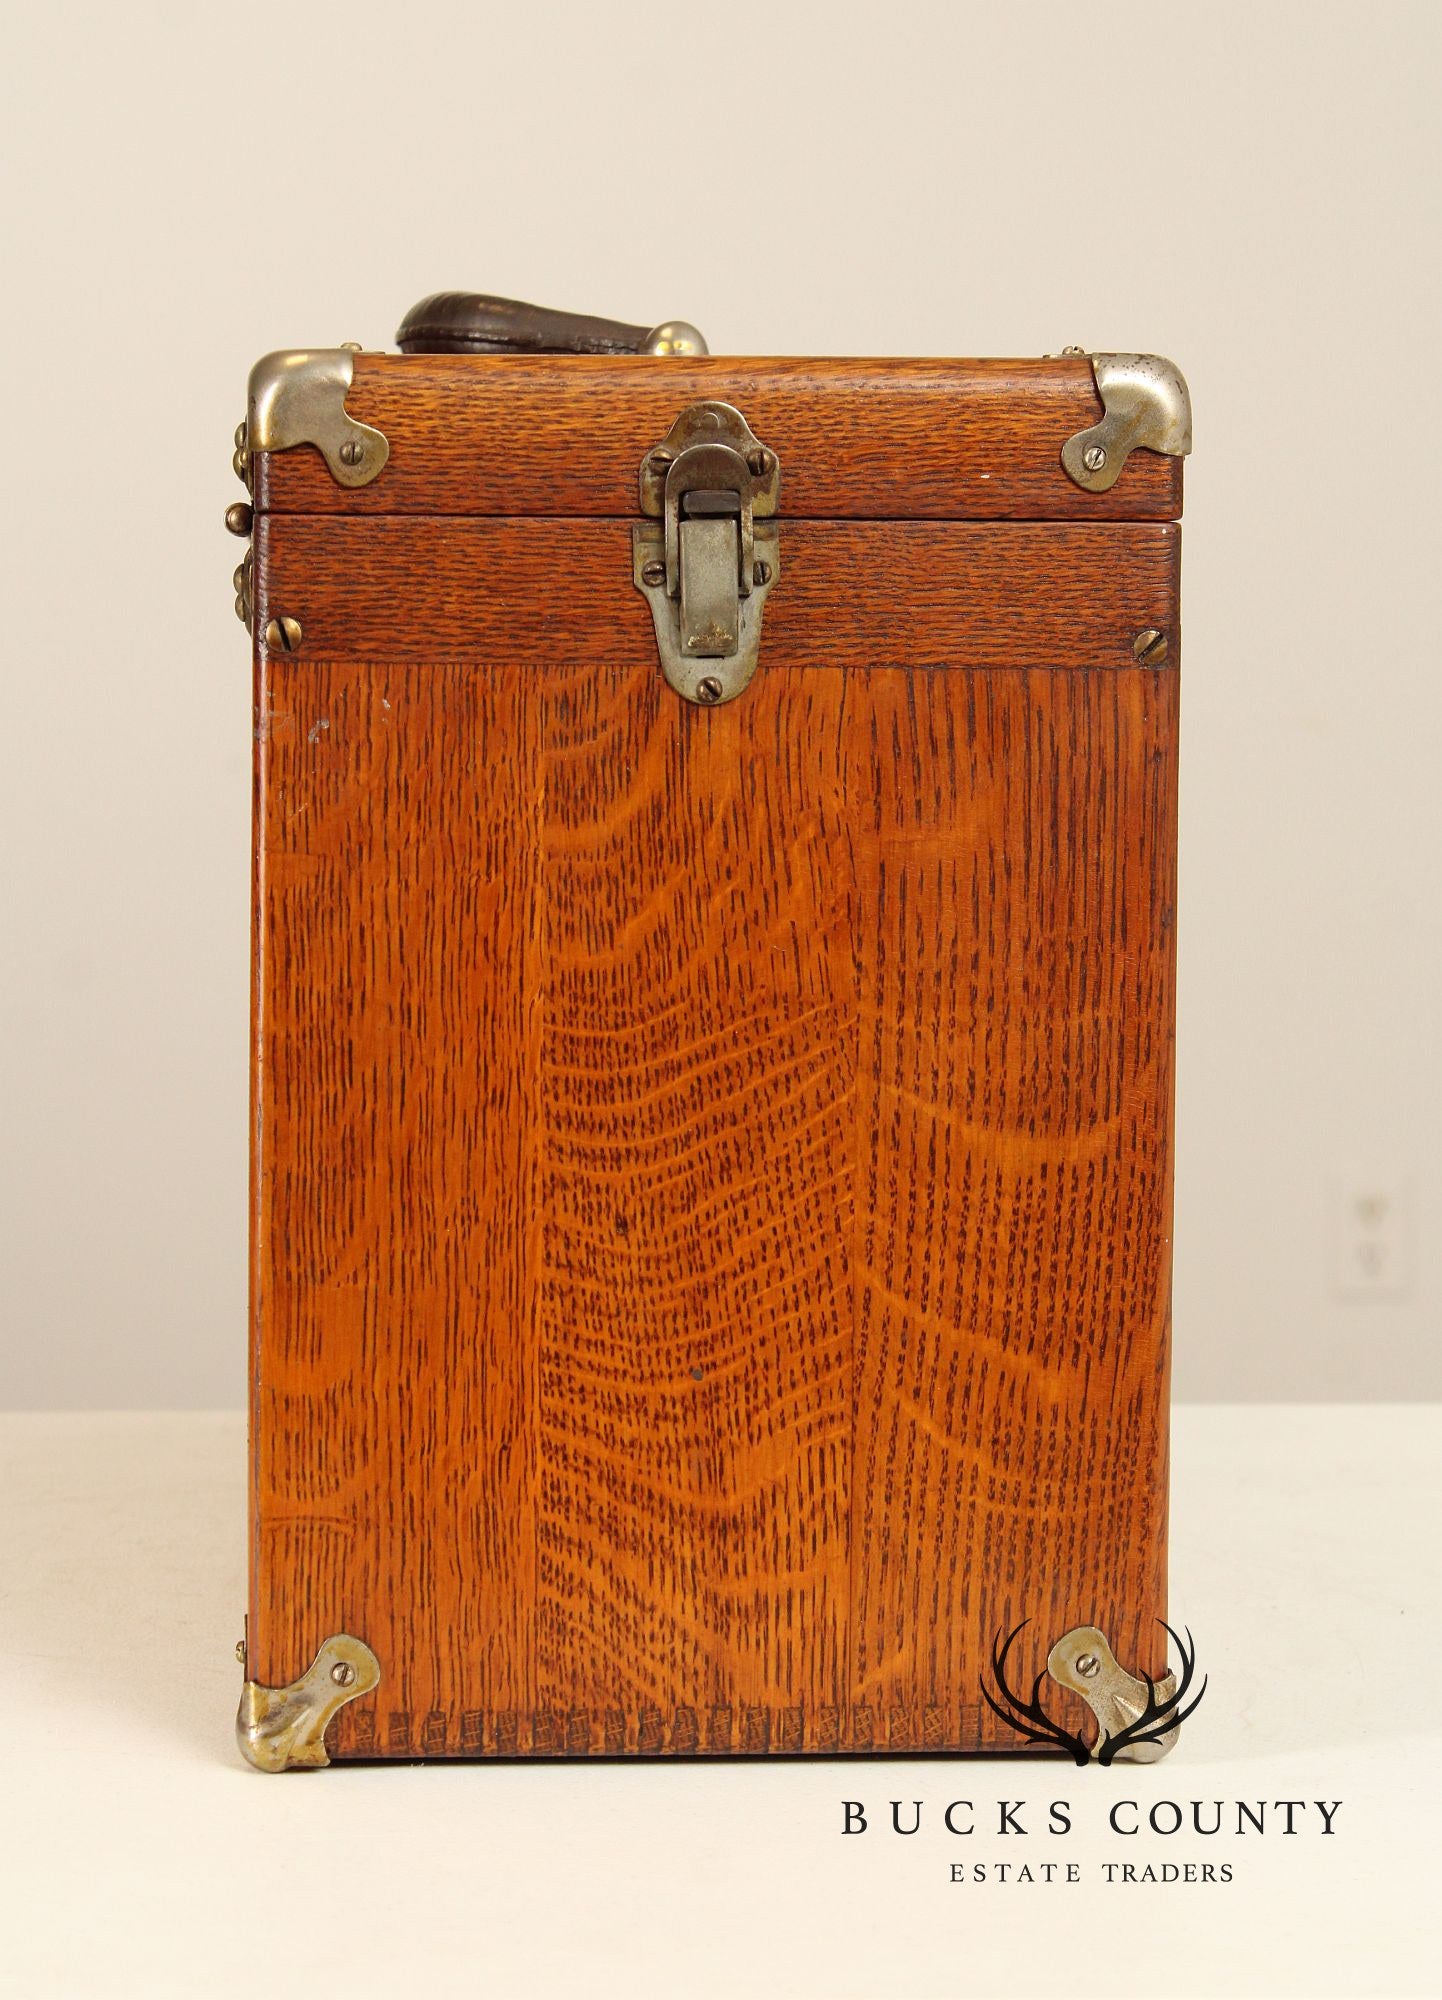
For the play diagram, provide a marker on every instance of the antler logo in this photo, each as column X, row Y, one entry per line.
column 1138, row 1719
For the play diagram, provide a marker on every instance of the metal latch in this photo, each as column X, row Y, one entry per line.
column 711, row 487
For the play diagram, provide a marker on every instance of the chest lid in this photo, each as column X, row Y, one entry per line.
column 504, row 410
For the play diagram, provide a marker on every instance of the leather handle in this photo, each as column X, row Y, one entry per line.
column 476, row 323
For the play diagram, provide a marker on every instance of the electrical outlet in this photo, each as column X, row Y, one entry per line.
column 1371, row 1236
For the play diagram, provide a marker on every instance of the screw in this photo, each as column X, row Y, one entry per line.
column 1150, row 646
column 283, row 635
column 653, row 572
column 758, row 462
column 660, row 460
column 1088, row 1666
column 1094, row 458
column 709, row 689
column 239, row 518
column 352, row 452
column 761, row 573
column 342, row 1673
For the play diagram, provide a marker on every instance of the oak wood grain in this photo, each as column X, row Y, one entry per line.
column 850, row 593
column 870, row 439
column 711, row 1219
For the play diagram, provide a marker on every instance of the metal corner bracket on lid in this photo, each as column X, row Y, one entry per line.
column 298, row 397
column 1147, row 407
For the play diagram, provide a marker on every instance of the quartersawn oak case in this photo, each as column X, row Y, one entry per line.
column 712, row 1165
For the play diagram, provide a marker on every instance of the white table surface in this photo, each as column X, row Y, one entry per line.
column 139, row 1856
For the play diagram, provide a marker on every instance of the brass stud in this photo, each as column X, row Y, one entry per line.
column 240, row 1651
column 242, row 611
column 709, row 689
column 239, row 517
column 240, row 435
column 283, row 635
column 761, row 572
column 1150, row 646
column 653, row 572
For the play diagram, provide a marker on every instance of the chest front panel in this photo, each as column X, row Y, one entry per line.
column 712, row 1175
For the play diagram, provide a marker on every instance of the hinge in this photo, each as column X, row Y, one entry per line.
column 712, row 488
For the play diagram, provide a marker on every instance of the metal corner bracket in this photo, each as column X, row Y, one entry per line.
column 1083, row 1662
column 283, row 1729
column 298, row 397
column 1147, row 408
column 709, row 554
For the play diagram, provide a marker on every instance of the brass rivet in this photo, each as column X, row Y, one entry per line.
column 240, row 462
column 653, row 572
column 239, row 518
column 240, row 435
column 240, row 1651
column 1150, row 646
column 1094, row 458
column 709, row 689
column 761, row 573
column 283, row 635
column 240, row 611
column 237, row 581
column 342, row 1673
column 352, row 452
column 1088, row 1666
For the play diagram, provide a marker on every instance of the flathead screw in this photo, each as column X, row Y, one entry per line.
column 709, row 689
column 758, row 463
column 283, row 635
column 1150, row 646
column 660, row 460
column 653, row 572
column 352, row 452
column 1088, row 1666
column 342, row 1673
column 761, row 573
column 1094, row 458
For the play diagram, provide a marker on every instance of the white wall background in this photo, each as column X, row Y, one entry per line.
column 1251, row 189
